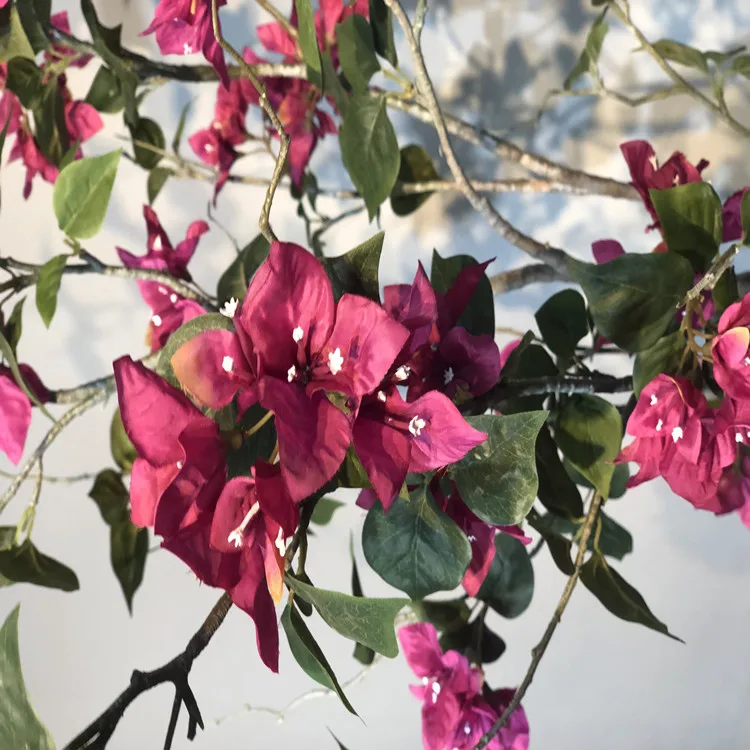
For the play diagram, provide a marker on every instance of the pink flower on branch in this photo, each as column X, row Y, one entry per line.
column 15, row 409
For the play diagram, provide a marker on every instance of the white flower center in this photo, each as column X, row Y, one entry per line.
column 659, row 425
column 158, row 245
column 156, row 320
column 335, row 361
column 747, row 361
column 173, row 298
column 381, row 396
column 230, row 307
column 654, row 400
column 403, row 372
column 210, row 148
column 297, row 334
column 180, row 464
column 677, row 433
column 425, row 680
column 471, row 538
column 467, row 728
column 187, row 49
column 291, row 374
column 448, row 376
column 416, row 425
column 227, row 364
column 676, row 180
column 738, row 438
column 237, row 535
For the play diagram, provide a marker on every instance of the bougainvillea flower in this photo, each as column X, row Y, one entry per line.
column 729, row 350
column 15, row 410
column 393, row 437
column 731, row 216
column 184, row 27
column 10, row 106
column 33, row 159
column 76, row 58
column 646, row 174
column 606, row 250
column 478, row 716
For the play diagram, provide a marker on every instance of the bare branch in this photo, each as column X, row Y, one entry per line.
column 517, row 278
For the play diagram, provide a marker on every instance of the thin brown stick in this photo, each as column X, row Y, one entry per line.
column 517, row 278
column 265, row 221
column 538, row 652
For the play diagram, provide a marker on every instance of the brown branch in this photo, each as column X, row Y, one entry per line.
column 517, row 278
column 538, row 652
column 176, row 671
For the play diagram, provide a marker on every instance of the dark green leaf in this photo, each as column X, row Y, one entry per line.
column 479, row 315
column 559, row 547
column 308, row 42
column 617, row 487
column 364, row 620
column 614, row 541
column 180, row 129
column 148, row 133
column 50, row 125
column 414, row 546
column 20, row 727
column 530, row 361
column 663, row 356
column 105, row 93
column 363, row 654
column 128, row 553
column 24, row 79
column 563, row 322
column 356, row 272
column 416, row 166
column 589, row 433
column 475, row 641
column 35, row 15
column 633, row 298
column 332, row 85
column 352, row 473
column 509, row 585
column 47, row 287
column 726, row 291
column 447, row 616
column 357, row 51
column 497, row 479
column 111, row 497
column 381, row 20
column 617, row 595
column 157, row 178
column 557, row 491
column 324, row 510
column 235, row 280
column 589, row 58
column 26, row 564
column 13, row 39
column 338, row 741
column 70, row 155
column 741, row 65
column 681, row 54
column 256, row 446
column 123, row 451
column 81, row 194
column 14, row 326
column 308, row 654
column 691, row 221
column 369, row 149
column 745, row 214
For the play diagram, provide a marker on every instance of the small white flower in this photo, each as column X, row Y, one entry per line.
column 425, row 680
column 738, row 437
column 659, row 425
column 210, row 148
column 180, row 464
column 653, row 399
column 677, row 433
column 381, row 396
column 335, row 361
column 227, row 364
column 291, row 374
column 187, row 49
column 156, row 320
column 173, row 298
column 297, row 334
column 448, row 376
column 162, row 289
column 467, row 728
column 158, row 245
column 403, row 372
column 747, row 361
column 229, row 308
column 436, row 687
column 416, row 425
column 471, row 538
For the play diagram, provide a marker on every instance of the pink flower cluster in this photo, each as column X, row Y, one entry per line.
column 457, row 709
column 329, row 372
column 82, row 121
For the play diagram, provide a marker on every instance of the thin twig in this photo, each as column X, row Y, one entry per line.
column 264, row 222
column 538, row 652
column 279, row 17
column 52, row 479
column 175, row 671
column 517, row 278
column 552, row 256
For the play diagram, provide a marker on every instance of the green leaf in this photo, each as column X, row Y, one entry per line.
column 256, row 446
column 157, row 178
column 691, row 221
column 559, row 547
column 364, row 620
column 149, row 133
column 589, row 58
column 338, row 741
column 356, row 272
column 726, row 291
column 26, row 564
column 369, row 149
column 557, row 491
column 14, row 326
column 123, row 451
column 527, row 361
column 381, row 20
column 663, row 356
column 509, row 585
column 415, row 546
column 308, row 42
column 50, row 125
column 467, row 642
column 745, row 214
column 70, row 155
column 20, row 727
column 498, row 479
column 180, row 129
column 617, row 487
column 324, row 509
column 615, row 540
column 13, row 39
column 235, row 280
column 563, row 322
column 10, row 357
column 332, row 85
column 416, row 166
column 35, row 17
column 24, row 79
column 81, row 194
column 111, row 497
column 741, row 65
column 308, row 654
column 357, row 51
column 185, row 333
column 618, row 596
column 105, row 92
column 47, row 287
column 479, row 315
column 589, row 433
column 680, row 53
column 447, row 616
column 363, row 654
column 633, row 298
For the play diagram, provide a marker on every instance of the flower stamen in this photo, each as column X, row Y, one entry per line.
column 236, row 536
